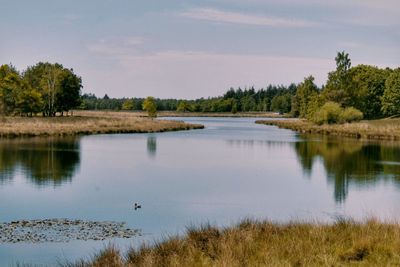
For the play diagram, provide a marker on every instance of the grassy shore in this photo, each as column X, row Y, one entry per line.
column 385, row 129
column 88, row 123
column 252, row 243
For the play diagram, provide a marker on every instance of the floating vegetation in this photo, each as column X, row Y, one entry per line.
column 62, row 230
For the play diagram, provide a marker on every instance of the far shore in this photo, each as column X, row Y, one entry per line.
column 221, row 114
column 82, row 123
column 384, row 129
column 187, row 114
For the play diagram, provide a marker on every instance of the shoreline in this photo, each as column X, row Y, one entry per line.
column 384, row 129
column 165, row 114
column 87, row 124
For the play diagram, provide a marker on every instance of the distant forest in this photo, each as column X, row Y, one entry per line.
column 272, row 98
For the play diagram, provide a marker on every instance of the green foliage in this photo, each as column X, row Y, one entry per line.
column 149, row 105
column 337, row 87
column 10, row 86
column 45, row 87
column 304, row 94
column 69, row 91
column 314, row 105
column 329, row 113
column 30, row 102
column 391, row 95
column 343, row 62
column 332, row 112
column 366, row 89
column 350, row 114
column 282, row 103
column 128, row 104
column 232, row 101
column 183, row 106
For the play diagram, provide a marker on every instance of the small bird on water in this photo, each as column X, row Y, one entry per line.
column 137, row 206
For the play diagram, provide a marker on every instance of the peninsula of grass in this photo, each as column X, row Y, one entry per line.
column 384, row 129
column 255, row 243
column 87, row 123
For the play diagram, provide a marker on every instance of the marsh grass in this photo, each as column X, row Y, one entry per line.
column 264, row 243
column 88, row 123
column 384, row 129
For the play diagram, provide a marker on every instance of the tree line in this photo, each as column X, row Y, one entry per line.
column 43, row 88
column 272, row 98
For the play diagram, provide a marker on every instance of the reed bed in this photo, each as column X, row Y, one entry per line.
column 264, row 243
column 384, row 129
column 88, row 123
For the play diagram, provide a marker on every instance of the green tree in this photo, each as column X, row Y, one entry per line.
column 281, row 103
column 10, row 87
column 366, row 89
column 60, row 87
column 69, row 93
column 149, row 105
column 183, row 106
column 337, row 87
column 304, row 94
column 128, row 104
column 391, row 95
column 30, row 102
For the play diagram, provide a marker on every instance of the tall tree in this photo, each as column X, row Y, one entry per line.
column 391, row 96
column 366, row 89
column 337, row 86
column 305, row 92
column 149, row 105
column 68, row 95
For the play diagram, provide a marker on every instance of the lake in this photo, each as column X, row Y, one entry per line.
column 231, row 170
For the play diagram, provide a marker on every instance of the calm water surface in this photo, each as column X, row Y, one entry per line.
column 228, row 171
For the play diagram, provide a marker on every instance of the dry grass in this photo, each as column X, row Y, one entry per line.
column 88, row 123
column 253, row 243
column 385, row 129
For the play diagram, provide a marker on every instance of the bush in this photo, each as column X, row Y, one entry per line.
column 329, row 113
column 351, row 114
column 332, row 112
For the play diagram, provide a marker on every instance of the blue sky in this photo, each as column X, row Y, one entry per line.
column 190, row 49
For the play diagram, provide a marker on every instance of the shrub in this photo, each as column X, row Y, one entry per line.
column 329, row 112
column 332, row 112
column 351, row 114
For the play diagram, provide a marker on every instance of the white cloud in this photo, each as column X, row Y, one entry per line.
column 211, row 14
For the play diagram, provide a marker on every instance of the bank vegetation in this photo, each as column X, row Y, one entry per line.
column 264, row 243
column 88, row 123
column 383, row 129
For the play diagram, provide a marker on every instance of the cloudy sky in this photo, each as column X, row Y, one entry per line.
column 190, row 49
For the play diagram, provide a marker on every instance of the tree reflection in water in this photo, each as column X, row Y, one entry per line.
column 44, row 161
column 151, row 146
column 348, row 161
